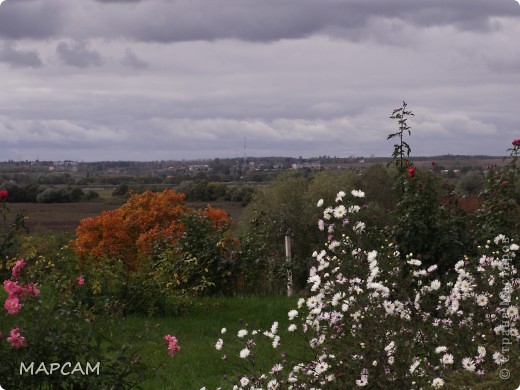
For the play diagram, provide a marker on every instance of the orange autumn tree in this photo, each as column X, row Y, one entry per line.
column 130, row 231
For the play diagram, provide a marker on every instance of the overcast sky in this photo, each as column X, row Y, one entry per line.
column 93, row 80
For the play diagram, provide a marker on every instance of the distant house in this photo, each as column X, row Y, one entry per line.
column 64, row 166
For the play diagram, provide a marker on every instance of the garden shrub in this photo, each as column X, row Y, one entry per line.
column 44, row 323
column 373, row 320
column 157, row 253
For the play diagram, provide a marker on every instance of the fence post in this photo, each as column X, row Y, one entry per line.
column 288, row 235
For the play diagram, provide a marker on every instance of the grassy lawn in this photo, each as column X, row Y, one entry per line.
column 198, row 363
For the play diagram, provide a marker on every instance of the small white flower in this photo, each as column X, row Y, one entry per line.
column 244, row 381
column 414, row 262
column 358, row 193
column 435, row 285
column 512, row 312
column 482, row 300
column 291, row 328
column 514, row 247
column 481, row 351
column 276, row 368
column 242, row 333
column 414, row 366
column 320, row 203
column 340, row 195
column 219, row 344
column 437, row 383
column 441, row 349
column 340, row 211
column 468, row 363
column 447, row 359
column 223, row 330
column 292, row 314
column 244, row 353
column 499, row 239
column 499, row 358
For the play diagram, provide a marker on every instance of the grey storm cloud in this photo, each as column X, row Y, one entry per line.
column 161, row 79
column 78, row 54
column 19, row 58
column 133, row 61
column 248, row 20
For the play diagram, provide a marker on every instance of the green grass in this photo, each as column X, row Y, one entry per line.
column 198, row 363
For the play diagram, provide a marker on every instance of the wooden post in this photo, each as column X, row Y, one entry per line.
column 288, row 235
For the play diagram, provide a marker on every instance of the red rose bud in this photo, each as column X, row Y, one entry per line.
column 411, row 172
column 505, row 182
column 516, row 142
column 4, row 194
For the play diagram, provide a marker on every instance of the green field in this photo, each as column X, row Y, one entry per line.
column 198, row 363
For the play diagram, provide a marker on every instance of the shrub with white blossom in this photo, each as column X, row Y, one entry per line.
column 374, row 320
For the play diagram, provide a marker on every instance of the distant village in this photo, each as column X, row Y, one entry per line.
column 446, row 164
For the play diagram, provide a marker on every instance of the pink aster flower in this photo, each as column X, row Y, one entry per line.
column 12, row 305
column 172, row 344
column 80, row 280
column 13, row 289
column 15, row 339
column 18, row 267
column 31, row 289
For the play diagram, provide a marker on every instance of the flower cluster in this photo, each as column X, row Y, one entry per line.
column 173, row 347
column 372, row 319
column 13, row 303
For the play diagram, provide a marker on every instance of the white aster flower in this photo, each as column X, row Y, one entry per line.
column 276, row 341
column 414, row 262
column 468, row 363
column 223, row 330
column 482, row 300
column 244, row 381
column 244, row 353
column 340, row 212
column 414, row 366
column 437, row 383
column 242, row 333
column 435, row 285
column 447, row 359
column 514, row 247
column 499, row 358
column 320, row 203
column 441, row 349
column 499, row 239
column 512, row 312
column 340, row 195
column 276, row 368
column 481, row 351
column 358, row 193
column 291, row 328
column 219, row 344
column 292, row 314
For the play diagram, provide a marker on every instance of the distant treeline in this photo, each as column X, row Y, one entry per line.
column 195, row 190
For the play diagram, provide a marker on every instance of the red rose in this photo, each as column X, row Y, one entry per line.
column 4, row 194
column 516, row 142
column 411, row 172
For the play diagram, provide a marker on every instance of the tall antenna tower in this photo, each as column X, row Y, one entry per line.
column 245, row 148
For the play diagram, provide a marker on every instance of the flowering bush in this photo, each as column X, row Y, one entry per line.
column 373, row 320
